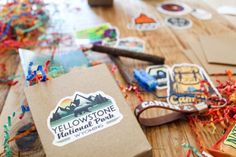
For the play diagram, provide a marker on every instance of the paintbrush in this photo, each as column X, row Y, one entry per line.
column 127, row 53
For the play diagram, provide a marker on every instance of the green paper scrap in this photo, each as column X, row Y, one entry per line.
column 7, row 148
column 8, row 151
column 5, row 140
column 6, row 127
column 9, row 121
column 13, row 114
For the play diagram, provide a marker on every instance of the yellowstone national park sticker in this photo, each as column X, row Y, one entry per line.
column 80, row 115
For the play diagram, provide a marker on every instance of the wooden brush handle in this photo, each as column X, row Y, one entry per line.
column 123, row 70
column 130, row 54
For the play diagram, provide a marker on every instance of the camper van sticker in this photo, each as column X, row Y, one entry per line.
column 80, row 115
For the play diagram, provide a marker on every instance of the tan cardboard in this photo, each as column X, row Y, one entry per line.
column 199, row 53
column 124, row 139
column 219, row 49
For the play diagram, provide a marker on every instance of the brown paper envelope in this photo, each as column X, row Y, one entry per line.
column 219, row 49
column 210, row 68
column 124, row 139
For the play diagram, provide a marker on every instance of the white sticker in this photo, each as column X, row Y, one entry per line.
column 80, row 115
column 160, row 73
column 201, row 14
column 144, row 22
column 131, row 43
column 227, row 10
column 178, row 22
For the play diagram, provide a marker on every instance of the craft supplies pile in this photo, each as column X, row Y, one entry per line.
column 79, row 82
column 21, row 24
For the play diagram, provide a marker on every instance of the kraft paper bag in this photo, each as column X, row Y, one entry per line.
column 84, row 114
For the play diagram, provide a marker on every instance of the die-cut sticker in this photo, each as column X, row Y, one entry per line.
column 144, row 22
column 185, row 85
column 80, row 115
column 178, row 22
column 131, row 43
column 160, row 73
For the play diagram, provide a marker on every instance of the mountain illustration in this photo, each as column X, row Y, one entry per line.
column 79, row 105
column 142, row 19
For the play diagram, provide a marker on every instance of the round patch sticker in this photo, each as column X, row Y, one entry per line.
column 201, row 14
column 178, row 22
column 174, row 8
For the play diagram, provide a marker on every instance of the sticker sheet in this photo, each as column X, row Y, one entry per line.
column 185, row 84
column 144, row 22
column 131, row 43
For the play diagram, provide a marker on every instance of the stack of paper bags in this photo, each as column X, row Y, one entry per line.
column 216, row 53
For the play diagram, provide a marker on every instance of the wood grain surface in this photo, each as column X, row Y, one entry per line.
column 166, row 140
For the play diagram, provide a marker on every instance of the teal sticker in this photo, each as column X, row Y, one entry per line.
column 65, row 61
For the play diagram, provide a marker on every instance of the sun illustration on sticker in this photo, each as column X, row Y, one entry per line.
column 66, row 102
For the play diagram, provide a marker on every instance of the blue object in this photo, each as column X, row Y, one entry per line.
column 145, row 80
column 25, row 108
column 31, row 74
